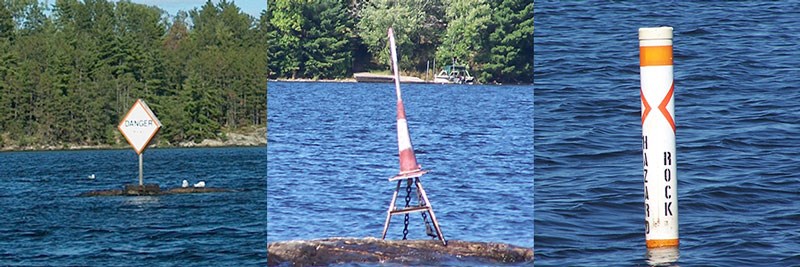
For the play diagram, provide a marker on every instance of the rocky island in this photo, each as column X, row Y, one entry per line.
column 322, row 252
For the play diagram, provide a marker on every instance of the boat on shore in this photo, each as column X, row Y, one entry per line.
column 457, row 74
column 366, row 77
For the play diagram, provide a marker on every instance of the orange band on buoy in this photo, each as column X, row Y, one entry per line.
column 656, row 243
column 655, row 55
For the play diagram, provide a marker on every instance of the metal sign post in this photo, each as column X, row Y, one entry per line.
column 139, row 127
column 141, row 181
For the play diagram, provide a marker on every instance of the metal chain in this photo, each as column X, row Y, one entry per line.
column 408, row 203
column 428, row 229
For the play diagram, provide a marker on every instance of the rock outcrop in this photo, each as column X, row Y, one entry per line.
column 151, row 190
column 322, row 252
column 254, row 138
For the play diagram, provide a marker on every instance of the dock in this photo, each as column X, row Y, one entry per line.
column 366, row 77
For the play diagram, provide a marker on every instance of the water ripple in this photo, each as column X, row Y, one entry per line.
column 46, row 224
column 333, row 147
column 736, row 108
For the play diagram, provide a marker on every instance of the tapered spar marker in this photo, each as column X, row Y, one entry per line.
column 408, row 160
column 410, row 171
column 658, row 137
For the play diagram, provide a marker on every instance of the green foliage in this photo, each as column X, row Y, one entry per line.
column 330, row 39
column 68, row 78
column 510, row 58
column 327, row 49
column 467, row 24
column 286, row 21
column 7, row 26
column 309, row 39
column 414, row 26
column 7, row 74
column 226, row 74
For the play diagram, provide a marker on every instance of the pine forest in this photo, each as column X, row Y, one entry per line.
column 70, row 71
column 332, row 39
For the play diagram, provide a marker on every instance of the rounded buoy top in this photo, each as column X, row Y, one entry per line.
column 656, row 37
column 657, row 33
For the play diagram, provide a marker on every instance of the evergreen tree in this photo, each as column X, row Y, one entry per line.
column 7, row 71
column 68, row 77
column 9, row 122
column 201, row 108
column 285, row 48
column 510, row 57
column 266, row 33
column 326, row 48
column 7, row 25
column 33, row 19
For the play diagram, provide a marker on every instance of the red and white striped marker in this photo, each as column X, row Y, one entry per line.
column 409, row 169
column 658, row 137
column 408, row 161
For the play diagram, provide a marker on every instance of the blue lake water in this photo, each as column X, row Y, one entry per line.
column 333, row 146
column 737, row 107
column 45, row 223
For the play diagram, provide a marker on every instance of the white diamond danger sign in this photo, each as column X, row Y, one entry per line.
column 139, row 126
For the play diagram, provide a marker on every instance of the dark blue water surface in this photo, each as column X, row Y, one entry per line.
column 737, row 105
column 45, row 223
column 333, row 146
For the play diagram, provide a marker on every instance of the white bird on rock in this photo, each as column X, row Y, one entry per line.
column 185, row 184
column 200, row 184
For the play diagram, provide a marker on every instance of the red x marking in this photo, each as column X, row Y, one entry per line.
column 662, row 107
column 647, row 107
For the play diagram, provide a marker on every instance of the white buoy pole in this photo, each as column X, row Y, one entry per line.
column 393, row 49
column 408, row 161
column 658, row 137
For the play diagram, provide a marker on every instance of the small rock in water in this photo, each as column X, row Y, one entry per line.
column 200, row 184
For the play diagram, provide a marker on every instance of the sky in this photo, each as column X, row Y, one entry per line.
column 252, row 7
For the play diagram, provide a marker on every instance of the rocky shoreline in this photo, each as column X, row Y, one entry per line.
column 257, row 137
column 342, row 80
column 339, row 250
